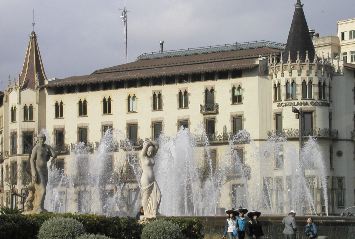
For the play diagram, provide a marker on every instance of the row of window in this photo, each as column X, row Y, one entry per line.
column 157, row 102
column 307, row 123
column 307, row 90
column 345, row 56
column 27, row 113
column 351, row 35
column 134, row 83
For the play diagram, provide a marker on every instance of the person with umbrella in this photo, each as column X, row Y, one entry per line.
column 230, row 228
column 254, row 226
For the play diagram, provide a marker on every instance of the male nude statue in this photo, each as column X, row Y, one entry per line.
column 41, row 153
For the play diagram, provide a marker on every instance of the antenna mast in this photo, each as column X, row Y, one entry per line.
column 33, row 19
column 125, row 20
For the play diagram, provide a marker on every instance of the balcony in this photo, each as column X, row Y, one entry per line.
column 317, row 133
column 222, row 138
column 209, row 109
column 129, row 145
column 61, row 149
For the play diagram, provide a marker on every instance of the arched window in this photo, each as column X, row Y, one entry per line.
column 186, row 99
column 155, row 101
column 160, row 101
column 30, row 112
column 83, row 110
column 310, row 90
column 275, row 92
column 279, row 91
column 209, row 97
column 288, row 90
column 324, row 87
column 61, row 109
column 293, row 90
column 181, row 100
column 13, row 114
column 237, row 95
column 80, row 108
column 25, row 113
column 304, row 89
column 104, row 106
column 85, row 107
column 109, row 105
column 132, row 104
column 56, row 110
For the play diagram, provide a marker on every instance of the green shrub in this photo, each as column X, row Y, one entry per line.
column 19, row 226
column 161, row 229
column 8, row 210
column 191, row 228
column 61, row 228
column 93, row 236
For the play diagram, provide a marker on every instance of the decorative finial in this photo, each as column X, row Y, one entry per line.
column 33, row 19
column 307, row 57
column 298, row 56
column 289, row 57
column 299, row 4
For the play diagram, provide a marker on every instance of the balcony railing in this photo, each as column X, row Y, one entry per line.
column 222, row 138
column 209, row 109
column 318, row 133
column 129, row 145
column 61, row 149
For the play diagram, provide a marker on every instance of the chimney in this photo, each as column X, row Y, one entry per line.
column 161, row 46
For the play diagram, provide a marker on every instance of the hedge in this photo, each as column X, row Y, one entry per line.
column 27, row 226
column 60, row 227
column 17, row 226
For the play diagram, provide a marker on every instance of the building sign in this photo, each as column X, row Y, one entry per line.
column 303, row 103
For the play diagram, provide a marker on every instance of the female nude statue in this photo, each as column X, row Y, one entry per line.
column 150, row 191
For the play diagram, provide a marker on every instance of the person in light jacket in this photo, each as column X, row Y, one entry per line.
column 230, row 229
column 290, row 225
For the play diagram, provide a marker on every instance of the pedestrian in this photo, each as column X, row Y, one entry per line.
column 290, row 225
column 140, row 214
column 254, row 226
column 311, row 229
column 241, row 222
column 230, row 229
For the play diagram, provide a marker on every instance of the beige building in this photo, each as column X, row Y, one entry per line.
column 250, row 86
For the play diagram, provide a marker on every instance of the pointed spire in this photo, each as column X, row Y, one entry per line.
column 299, row 38
column 32, row 69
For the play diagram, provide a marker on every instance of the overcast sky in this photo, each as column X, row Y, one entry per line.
column 77, row 37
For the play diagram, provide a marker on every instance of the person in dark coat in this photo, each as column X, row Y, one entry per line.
column 311, row 229
column 254, row 226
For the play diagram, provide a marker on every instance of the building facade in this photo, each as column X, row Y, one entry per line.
column 251, row 86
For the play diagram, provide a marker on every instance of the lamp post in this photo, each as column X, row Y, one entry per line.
column 299, row 112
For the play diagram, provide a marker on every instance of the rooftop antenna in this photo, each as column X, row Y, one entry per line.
column 125, row 21
column 33, row 19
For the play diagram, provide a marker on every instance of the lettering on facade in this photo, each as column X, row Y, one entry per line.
column 303, row 103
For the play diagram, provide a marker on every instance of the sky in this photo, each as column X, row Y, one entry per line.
column 77, row 37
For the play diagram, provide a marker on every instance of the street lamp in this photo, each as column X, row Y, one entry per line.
column 299, row 116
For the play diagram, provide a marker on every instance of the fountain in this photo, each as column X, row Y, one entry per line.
column 191, row 178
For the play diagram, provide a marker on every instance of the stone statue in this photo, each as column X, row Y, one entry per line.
column 41, row 153
column 150, row 191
